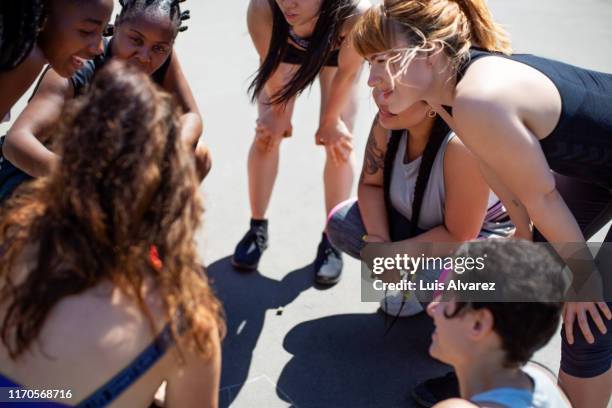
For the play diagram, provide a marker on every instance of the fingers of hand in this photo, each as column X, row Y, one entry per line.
column 583, row 323
column 605, row 309
column 594, row 312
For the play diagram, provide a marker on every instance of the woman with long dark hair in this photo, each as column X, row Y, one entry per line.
column 144, row 35
column 542, row 132
column 298, row 41
column 63, row 33
column 101, row 292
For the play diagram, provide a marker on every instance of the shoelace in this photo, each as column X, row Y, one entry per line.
column 395, row 318
column 326, row 252
column 260, row 238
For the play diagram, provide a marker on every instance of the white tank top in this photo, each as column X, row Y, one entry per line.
column 403, row 180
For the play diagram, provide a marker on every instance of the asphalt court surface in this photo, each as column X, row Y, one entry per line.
column 289, row 343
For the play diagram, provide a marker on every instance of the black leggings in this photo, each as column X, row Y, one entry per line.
column 591, row 205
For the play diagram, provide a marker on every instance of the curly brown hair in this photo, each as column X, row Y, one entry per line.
column 125, row 187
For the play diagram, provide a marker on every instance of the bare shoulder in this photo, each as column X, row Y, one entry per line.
column 479, row 106
column 120, row 328
column 455, row 403
column 259, row 23
column 259, row 12
column 52, row 83
column 457, row 152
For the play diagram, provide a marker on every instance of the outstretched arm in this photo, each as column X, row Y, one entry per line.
column 513, row 154
column 332, row 131
column 499, row 138
column 191, row 120
column 23, row 147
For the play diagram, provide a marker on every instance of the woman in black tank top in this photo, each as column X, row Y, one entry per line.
column 33, row 33
column 522, row 116
column 144, row 36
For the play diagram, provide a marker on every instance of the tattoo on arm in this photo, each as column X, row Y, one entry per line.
column 374, row 159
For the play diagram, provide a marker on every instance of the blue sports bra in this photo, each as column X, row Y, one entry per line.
column 113, row 388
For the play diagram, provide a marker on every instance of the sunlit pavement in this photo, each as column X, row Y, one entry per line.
column 290, row 343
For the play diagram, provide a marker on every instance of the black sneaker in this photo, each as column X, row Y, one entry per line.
column 328, row 264
column 434, row 390
column 251, row 246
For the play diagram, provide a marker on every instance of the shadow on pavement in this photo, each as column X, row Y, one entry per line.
column 246, row 297
column 345, row 361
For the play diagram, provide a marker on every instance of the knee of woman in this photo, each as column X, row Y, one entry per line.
column 333, row 228
column 336, row 222
column 584, row 360
column 266, row 144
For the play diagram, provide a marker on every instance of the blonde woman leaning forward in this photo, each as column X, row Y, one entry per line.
column 522, row 116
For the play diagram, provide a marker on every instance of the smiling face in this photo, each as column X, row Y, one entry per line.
column 299, row 12
column 72, row 33
column 144, row 40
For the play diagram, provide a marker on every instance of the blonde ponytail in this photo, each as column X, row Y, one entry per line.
column 485, row 32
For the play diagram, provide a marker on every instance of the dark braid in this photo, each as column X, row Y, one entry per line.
column 169, row 8
column 20, row 23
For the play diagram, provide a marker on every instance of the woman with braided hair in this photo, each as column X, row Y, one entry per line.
column 542, row 132
column 144, row 36
column 63, row 33
column 86, row 305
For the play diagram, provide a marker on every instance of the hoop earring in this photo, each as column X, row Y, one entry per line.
column 431, row 113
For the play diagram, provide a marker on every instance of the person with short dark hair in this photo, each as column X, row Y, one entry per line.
column 490, row 342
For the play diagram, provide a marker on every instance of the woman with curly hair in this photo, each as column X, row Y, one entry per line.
column 101, row 292
column 144, row 36
column 63, row 33
column 298, row 41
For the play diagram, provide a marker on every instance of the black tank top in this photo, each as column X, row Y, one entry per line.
column 580, row 146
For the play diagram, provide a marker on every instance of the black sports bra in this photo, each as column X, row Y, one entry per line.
column 297, row 55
